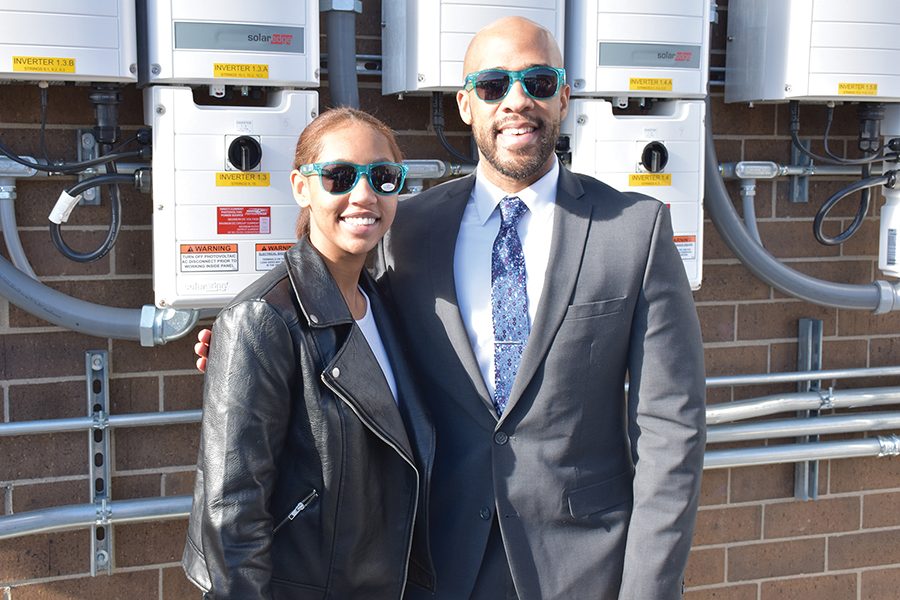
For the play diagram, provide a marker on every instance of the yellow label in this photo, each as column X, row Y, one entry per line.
column 650, row 84
column 242, row 179
column 644, row 179
column 858, row 89
column 241, row 70
column 43, row 64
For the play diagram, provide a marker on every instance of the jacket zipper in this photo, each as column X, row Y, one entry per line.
column 301, row 506
column 412, row 525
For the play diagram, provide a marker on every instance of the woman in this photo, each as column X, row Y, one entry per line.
column 315, row 452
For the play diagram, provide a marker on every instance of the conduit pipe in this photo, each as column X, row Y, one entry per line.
column 340, row 39
column 767, row 455
column 85, row 515
column 822, row 400
column 177, row 417
column 824, row 425
column 879, row 296
column 795, row 376
column 10, row 228
column 149, row 325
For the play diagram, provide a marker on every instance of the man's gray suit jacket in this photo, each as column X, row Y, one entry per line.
column 595, row 490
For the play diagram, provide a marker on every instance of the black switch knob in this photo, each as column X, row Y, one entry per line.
column 654, row 157
column 244, row 153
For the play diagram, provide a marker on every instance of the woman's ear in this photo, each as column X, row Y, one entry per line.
column 300, row 188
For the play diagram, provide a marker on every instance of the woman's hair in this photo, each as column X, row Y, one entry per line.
column 309, row 145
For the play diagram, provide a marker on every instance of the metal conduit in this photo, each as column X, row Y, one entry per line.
column 82, row 423
column 778, row 403
column 794, row 376
column 824, row 425
column 742, row 457
column 84, row 515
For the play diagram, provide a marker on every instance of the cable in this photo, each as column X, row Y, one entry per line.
column 795, row 138
column 43, row 137
column 112, row 178
column 864, row 185
column 437, row 121
column 71, row 168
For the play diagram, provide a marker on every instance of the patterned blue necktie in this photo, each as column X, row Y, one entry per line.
column 509, row 301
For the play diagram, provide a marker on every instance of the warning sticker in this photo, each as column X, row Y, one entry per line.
column 208, row 257
column 43, row 64
column 237, row 220
column 241, row 70
column 650, row 84
column 244, row 179
column 269, row 256
column 687, row 246
column 648, row 179
column 858, row 89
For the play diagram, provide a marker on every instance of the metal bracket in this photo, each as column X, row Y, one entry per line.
column 87, row 150
column 97, row 376
column 809, row 358
column 800, row 183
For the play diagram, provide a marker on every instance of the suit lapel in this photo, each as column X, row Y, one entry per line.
column 445, row 222
column 571, row 222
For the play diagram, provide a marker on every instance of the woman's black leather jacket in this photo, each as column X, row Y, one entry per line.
column 311, row 484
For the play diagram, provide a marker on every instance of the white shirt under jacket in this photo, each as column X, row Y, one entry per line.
column 474, row 247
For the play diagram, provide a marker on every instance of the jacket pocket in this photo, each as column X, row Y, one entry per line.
column 595, row 309
column 300, row 507
column 602, row 496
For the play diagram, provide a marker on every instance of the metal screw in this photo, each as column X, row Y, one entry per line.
column 96, row 362
column 102, row 558
column 160, row 110
column 421, row 78
column 155, row 69
column 159, row 207
column 581, row 120
column 132, row 68
column 787, row 87
column 88, row 141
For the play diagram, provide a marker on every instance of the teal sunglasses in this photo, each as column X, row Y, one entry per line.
column 492, row 85
column 386, row 178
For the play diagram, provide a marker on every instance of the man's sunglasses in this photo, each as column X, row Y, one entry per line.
column 386, row 178
column 492, row 85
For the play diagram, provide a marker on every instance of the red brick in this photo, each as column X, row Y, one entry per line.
column 119, row 585
column 184, row 392
column 827, row 515
column 134, row 252
column 880, row 510
column 865, row 322
column 46, row 555
column 39, row 401
column 173, row 445
column 724, row 525
column 880, row 584
column 153, row 543
column 716, row 323
column 176, row 586
column 705, row 566
column 179, row 484
column 776, row 559
column 868, row 549
column 780, row 320
column 46, row 259
column 793, row 239
column 762, row 482
column 45, row 495
column 731, row 592
column 825, row 587
column 50, row 455
column 134, row 395
column 736, row 360
column 714, row 487
column 736, row 118
column 127, row 487
column 723, row 283
column 18, row 352
column 856, row 474
column 131, row 357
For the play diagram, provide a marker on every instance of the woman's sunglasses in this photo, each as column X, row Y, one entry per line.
column 386, row 178
column 492, row 85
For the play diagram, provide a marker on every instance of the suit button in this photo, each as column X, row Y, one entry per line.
column 500, row 438
column 485, row 513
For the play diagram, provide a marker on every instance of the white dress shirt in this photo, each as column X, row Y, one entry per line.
column 474, row 247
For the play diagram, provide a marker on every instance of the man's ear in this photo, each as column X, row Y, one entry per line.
column 462, row 103
column 300, row 188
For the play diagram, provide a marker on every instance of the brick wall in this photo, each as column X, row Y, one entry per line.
column 753, row 540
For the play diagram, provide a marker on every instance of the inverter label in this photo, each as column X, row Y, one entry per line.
column 198, row 258
column 858, row 89
column 649, row 179
column 269, row 256
column 242, row 179
column 42, row 64
column 243, row 220
column 241, row 70
column 650, row 84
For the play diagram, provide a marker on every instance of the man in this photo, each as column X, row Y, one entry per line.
column 567, row 489
column 548, row 481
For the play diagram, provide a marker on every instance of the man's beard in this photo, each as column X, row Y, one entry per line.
column 524, row 163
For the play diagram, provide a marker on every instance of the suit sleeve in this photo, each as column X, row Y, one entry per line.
column 667, row 423
column 246, row 405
